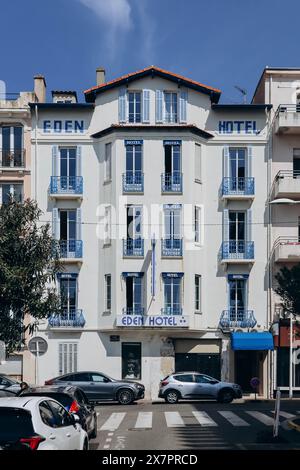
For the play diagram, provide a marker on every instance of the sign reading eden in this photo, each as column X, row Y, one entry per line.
column 153, row 321
column 59, row 127
column 238, row 127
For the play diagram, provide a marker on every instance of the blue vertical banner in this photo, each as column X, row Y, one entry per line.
column 153, row 261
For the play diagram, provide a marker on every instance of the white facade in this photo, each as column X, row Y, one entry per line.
column 208, row 158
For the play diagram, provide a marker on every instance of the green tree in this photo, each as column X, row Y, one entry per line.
column 288, row 288
column 29, row 262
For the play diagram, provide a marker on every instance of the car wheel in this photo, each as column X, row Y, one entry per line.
column 225, row 396
column 86, row 445
column 172, row 397
column 125, row 396
column 94, row 431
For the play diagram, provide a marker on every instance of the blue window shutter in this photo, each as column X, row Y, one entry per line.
column 159, row 106
column 78, row 224
column 225, row 161
column 54, row 160
column 146, row 106
column 55, row 223
column 249, row 161
column 183, row 106
column 225, row 225
column 249, row 225
column 78, row 160
column 122, row 105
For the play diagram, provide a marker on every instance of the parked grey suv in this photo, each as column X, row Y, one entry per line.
column 100, row 387
column 193, row 385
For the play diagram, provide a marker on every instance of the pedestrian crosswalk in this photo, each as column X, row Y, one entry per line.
column 144, row 420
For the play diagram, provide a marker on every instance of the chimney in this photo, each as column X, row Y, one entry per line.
column 100, row 75
column 40, row 88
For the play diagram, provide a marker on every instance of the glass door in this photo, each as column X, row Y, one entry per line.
column 237, row 169
column 134, row 301
column 237, row 232
column 237, row 299
column 68, row 291
column 68, row 168
column 67, row 232
column 172, row 227
column 172, row 296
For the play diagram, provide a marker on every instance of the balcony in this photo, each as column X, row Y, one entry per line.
column 171, row 182
column 171, row 247
column 70, row 250
column 69, row 319
column 237, row 318
column 133, row 310
column 133, row 247
column 287, row 119
column 66, row 187
column 287, row 250
column 133, row 182
column 237, row 252
column 238, row 188
column 172, row 310
column 12, row 160
column 287, row 184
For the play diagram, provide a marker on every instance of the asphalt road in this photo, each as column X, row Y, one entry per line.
column 194, row 425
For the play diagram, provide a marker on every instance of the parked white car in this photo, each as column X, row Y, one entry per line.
column 39, row 423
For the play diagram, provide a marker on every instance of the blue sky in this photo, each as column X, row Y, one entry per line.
column 221, row 43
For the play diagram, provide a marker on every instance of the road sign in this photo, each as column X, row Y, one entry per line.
column 254, row 382
column 38, row 346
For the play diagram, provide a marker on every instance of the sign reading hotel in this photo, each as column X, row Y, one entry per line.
column 238, row 127
column 58, row 126
column 153, row 321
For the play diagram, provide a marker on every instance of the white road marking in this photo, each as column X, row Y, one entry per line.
column 113, row 422
column 173, row 419
column 261, row 417
column 286, row 415
column 233, row 418
column 144, row 420
column 203, row 418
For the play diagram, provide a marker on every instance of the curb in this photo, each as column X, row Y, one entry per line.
column 293, row 425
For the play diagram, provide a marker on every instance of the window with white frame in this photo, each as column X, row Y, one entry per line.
column 11, row 191
column 198, row 163
column 197, row 293
column 170, row 99
column 107, row 225
column 12, row 146
column 198, row 225
column 107, row 292
column 134, row 106
column 107, row 162
column 67, row 358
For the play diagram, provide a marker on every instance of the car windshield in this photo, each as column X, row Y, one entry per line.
column 15, row 423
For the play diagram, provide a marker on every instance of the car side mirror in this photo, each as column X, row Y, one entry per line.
column 106, row 380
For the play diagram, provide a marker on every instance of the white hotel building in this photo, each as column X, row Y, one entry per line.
column 158, row 195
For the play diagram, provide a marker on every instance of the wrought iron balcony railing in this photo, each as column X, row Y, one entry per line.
column 133, row 247
column 12, row 159
column 237, row 250
column 136, row 310
column 70, row 248
column 237, row 318
column 70, row 318
column 133, row 182
column 238, row 186
column 66, row 185
column 172, row 310
column 171, row 182
column 171, row 247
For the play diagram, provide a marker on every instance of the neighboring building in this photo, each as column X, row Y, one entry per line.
column 158, row 196
column 281, row 88
column 15, row 177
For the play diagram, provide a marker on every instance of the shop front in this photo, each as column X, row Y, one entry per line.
column 198, row 355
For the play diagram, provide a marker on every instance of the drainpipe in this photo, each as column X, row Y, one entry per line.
column 35, row 152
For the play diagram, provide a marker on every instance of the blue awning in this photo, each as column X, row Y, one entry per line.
column 252, row 341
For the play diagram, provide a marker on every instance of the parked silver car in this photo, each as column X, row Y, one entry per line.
column 193, row 385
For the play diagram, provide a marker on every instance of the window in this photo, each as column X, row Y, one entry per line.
column 237, row 298
column 198, row 163
column 108, row 292
column 296, row 163
column 82, row 377
column 134, row 106
column 134, row 222
column 184, row 378
column 134, row 162
column 99, row 378
column 198, row 225
column 12, row 146
column 197, row 293
column 68, row 292
column 68, row 162
column 11, row 191
column 67, row 357
column 131, row 360
column 134, row 295
column 107, row 162
column 47, row 415
column 172, row 295
column 62, row 417
column 107, row 225
column 204, row 379
column 170, row 106
column 67, row 224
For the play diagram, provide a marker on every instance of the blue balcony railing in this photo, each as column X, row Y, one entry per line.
column 133, row 247
column 171, row 247
column 66, row 185
column 237, row 250
column 70, row 318
column 136, row 310
column 237, row 317
column 238, row 187
column 171, row 182
column 133, row 182
column 172, row 310
column 70, row 248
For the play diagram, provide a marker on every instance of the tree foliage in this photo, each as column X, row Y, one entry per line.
column 288, row 288
column 29, row 262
